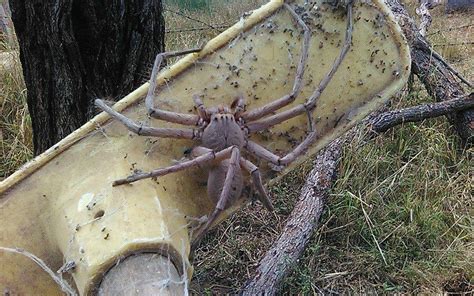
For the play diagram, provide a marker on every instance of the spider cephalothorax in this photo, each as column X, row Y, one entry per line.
column 223, row 128
column 223, row 132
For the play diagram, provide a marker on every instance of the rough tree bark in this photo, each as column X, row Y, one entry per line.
column 433, row 72
column 387, row 120
column 437, row 76
column 424, row 12
column 74, row 51
column 304, row 218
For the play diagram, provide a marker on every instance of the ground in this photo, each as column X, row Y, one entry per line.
column 408, row 191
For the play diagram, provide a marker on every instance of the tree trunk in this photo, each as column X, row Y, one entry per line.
column 75, row 51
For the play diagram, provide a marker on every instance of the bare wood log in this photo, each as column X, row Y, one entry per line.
column 304, row 218
column 426, row 18
column 299, row 227
column 424, row 12
column 437, row 78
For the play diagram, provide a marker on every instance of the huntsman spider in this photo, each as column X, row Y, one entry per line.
column 223, row 132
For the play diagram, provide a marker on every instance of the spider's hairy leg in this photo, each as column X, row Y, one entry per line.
column 276, row 119
column 239, row 106
column 297, row 85
column 252, row 169
column 202, row 159
column 264, row 153
column 310, row 103
column 257, row 181
column 224, row 197
column 201, row 109
column 141, row 130
column 181, row 118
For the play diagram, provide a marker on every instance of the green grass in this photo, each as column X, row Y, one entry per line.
column 398, row 219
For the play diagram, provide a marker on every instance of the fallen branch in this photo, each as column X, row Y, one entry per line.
column 387, row 120
column 424, row 13
column 433, row 73
column 450, row 68
column 304, row 218
column 426, row 19
column 279, row 260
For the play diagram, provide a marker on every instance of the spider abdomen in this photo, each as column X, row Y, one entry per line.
column 216, row 180
column 222, row 132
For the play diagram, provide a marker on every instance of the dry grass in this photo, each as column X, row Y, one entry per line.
column 15, row 126
column 221, row 13
column 452, row 35
column 414, row 183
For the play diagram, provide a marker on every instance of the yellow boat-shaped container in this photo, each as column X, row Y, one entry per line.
column 61, row 206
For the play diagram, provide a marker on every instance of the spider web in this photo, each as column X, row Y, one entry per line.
column 80, row 218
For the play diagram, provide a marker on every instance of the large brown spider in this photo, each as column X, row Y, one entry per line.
column 224, row 131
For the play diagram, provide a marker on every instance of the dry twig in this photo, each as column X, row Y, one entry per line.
column 305, row 216
column 434, row 73
column 449, row 67
column 450, row 29
column 300, row 225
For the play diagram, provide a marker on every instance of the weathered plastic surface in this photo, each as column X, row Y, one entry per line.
column 62, row 207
